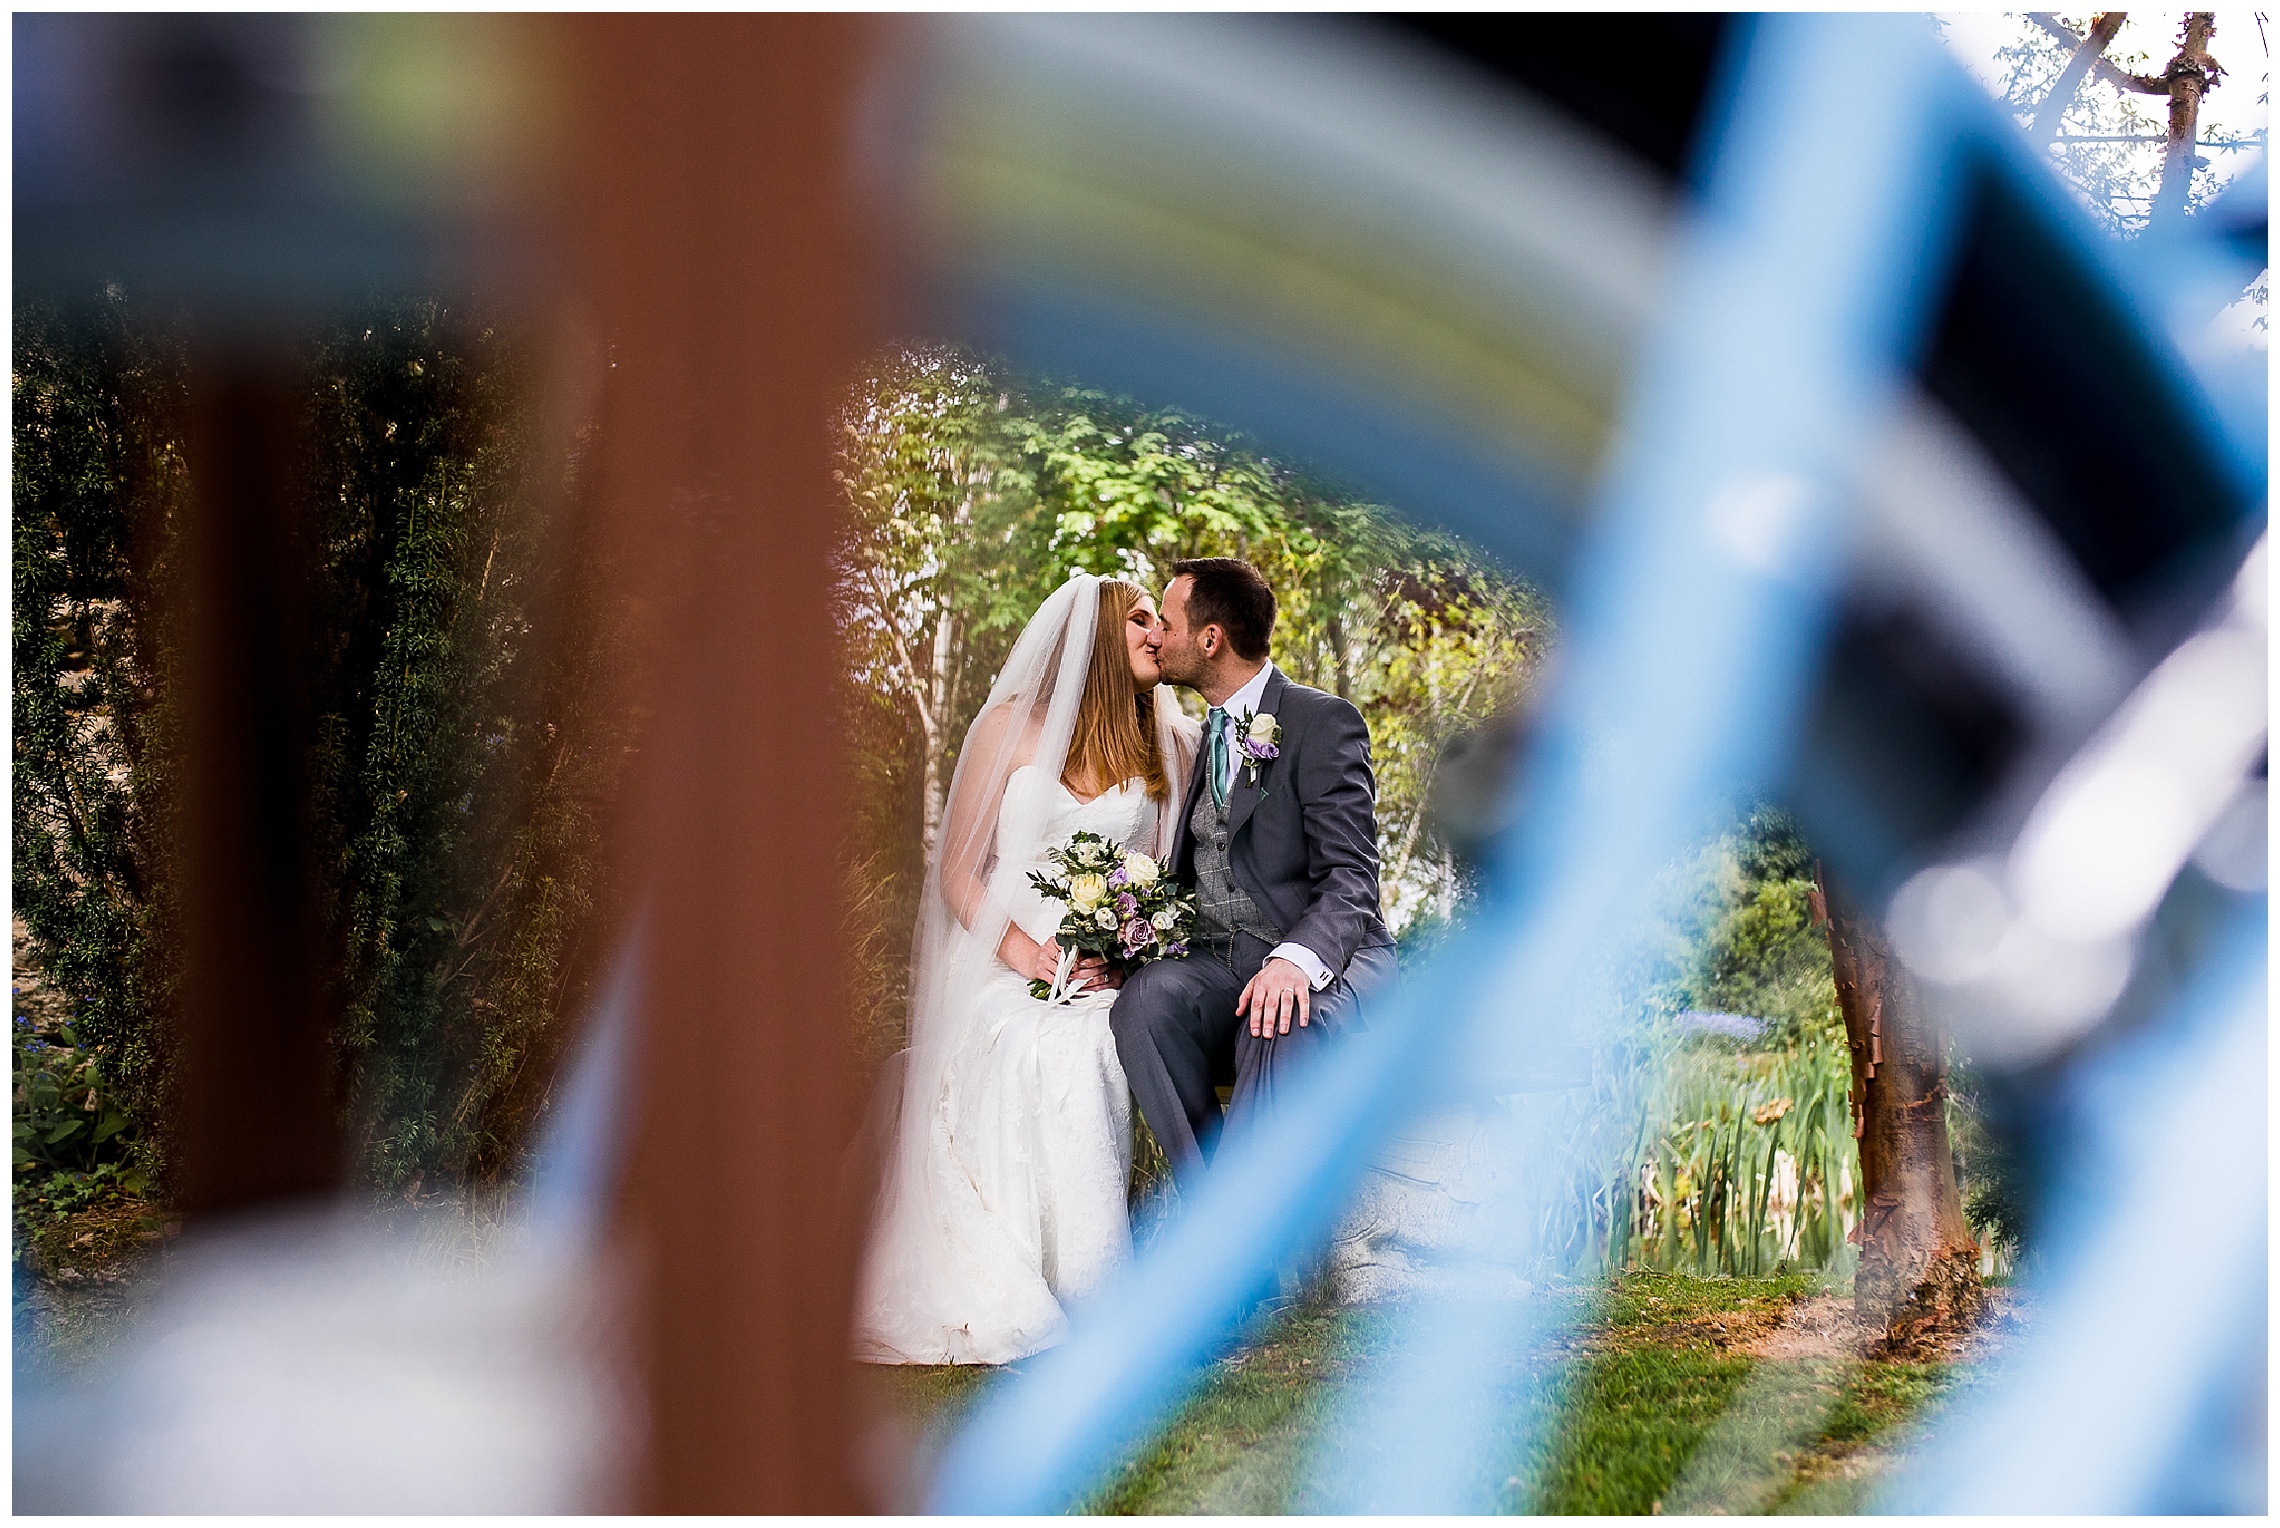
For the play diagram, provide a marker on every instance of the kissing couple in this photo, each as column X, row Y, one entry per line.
column 1003, row 1196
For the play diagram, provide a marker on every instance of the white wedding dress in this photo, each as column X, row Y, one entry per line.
column 1015, row 1205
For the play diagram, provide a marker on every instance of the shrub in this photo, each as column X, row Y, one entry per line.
column 99, row 399
column 463, row 668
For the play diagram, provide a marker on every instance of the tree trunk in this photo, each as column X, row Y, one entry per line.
column 2190, row 75
column 1919, row 1267
column 934, row 717
column 1341, row 659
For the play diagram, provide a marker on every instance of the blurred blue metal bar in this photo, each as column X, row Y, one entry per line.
column 1307, row 228
column 1797, row 306
column 1850, row 152
column 578, row 1165
column 2170, row 282
column 1505, row 501
column 1699, row 605
column 1036, row 1445
column 2149, row 1329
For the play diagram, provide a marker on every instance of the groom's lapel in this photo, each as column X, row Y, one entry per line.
column 1242, row 796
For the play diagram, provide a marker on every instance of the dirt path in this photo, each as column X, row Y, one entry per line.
column 1827, row 1412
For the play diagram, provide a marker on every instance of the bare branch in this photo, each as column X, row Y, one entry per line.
column 913, row 675
column 2088, row 51
column 2112, row 74
column 2200, row 143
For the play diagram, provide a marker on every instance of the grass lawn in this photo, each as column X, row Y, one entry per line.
column 74, row 1279
column 1664, row 1393
column 1672, row 1394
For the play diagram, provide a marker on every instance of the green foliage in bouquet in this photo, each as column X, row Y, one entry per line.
column 1120, row 906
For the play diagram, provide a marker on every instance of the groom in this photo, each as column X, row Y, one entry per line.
column 1282, row 853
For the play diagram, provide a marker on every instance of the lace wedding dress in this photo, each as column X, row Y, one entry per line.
column 1032, row 1137
column 1001, row 1199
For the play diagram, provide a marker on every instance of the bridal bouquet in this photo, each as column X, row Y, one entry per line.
column 1121, row 906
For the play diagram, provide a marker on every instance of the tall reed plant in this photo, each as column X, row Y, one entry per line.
column 1694, row 1154
column 1743, row 1161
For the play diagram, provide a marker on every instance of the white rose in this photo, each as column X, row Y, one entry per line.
column 1263, row 728
column 1087, row 892
column 1165, row 919
column 1140, row 870
column 1105, row 918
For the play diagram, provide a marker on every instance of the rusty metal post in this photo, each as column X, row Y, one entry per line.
column 258, row 1119
column 728, row 271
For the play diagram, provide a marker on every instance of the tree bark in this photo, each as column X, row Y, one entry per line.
column 2190, row 75
column 1919, row 1267
column 1341, row 659
column 934, row 716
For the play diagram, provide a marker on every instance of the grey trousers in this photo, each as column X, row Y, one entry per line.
column 1180, row 1041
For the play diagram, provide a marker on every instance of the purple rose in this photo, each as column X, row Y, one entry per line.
column 1137, row 934
column 1252, row 749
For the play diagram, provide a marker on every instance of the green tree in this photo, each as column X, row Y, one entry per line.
column 973, row 493
column 1762, row 951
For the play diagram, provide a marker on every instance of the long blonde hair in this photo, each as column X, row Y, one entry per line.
column 1115, row 736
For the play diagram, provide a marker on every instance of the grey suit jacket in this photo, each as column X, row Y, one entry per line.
column 1303, row 840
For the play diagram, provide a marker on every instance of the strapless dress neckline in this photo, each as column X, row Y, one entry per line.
column 1118, row 788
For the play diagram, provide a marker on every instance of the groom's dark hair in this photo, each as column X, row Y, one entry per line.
column 1228, row 592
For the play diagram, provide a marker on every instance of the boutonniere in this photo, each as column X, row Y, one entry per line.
column 1255, row 738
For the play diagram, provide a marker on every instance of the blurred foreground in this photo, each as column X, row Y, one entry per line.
column 1772, row 369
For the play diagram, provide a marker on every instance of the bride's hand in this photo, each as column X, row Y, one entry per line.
column 1029, row 958
column 1087, row 973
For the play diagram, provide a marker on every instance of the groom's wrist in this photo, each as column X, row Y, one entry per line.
column 1317, row 974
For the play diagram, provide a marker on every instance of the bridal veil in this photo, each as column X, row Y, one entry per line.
column 973, row 868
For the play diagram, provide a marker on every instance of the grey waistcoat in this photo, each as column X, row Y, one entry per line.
column 1222, row 908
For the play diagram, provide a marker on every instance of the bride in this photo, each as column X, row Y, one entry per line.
column 1004, row 1191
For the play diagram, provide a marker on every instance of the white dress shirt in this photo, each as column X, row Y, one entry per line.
column 1246, row 700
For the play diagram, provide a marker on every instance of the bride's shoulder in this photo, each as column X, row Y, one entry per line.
column 1001, row 734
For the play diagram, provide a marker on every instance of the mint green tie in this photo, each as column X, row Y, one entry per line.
column 1215, row 725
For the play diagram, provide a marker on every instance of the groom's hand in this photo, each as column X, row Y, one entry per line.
column 1270, row 998
column 1091, row 972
